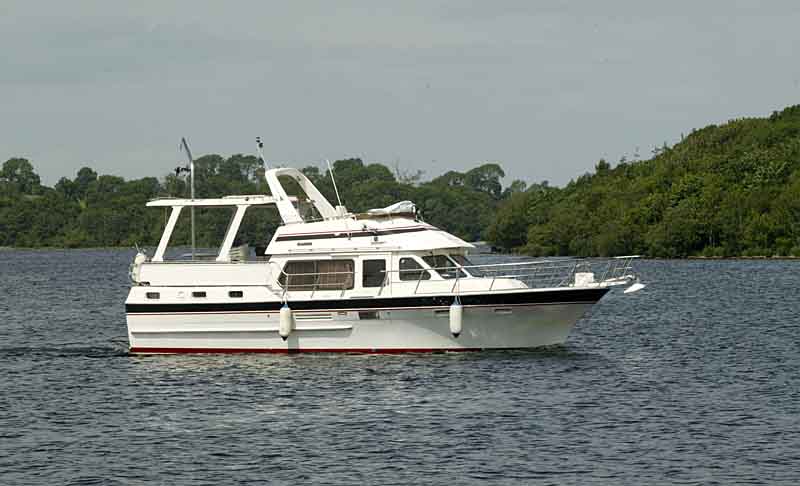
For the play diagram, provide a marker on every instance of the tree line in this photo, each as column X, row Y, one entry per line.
column 727, row 190
column 92, row 210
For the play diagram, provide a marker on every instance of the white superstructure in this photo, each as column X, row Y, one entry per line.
column 381, row 281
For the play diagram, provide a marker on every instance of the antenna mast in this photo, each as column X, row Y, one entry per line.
column 185, row 147
column 260, row 149
column 336, row 190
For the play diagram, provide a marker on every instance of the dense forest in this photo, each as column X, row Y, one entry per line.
column 728, row 190
column 94, row 210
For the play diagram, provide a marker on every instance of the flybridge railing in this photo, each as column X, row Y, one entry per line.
column 537, row 274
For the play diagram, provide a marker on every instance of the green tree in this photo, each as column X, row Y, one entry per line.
column 20, row 176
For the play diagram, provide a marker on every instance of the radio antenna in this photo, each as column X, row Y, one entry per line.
column 185, row 147
column 333, row 179
column 260, row 149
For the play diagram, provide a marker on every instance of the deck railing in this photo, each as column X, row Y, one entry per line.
column 537, row 274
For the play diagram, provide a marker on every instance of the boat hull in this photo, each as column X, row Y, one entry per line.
column 520, row 323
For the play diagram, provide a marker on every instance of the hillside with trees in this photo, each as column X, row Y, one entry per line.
column 728, row 190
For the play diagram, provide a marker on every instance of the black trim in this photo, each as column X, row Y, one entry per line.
column 351, row 234
column 565, row 296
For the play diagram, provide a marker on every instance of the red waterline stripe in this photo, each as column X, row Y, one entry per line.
column 295, row 351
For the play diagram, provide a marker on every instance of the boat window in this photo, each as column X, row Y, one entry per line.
column 318, row 275
column 198, row 294
column 465, row 262
column 411, row 270
column 236, row 293
column 299, row 275
column 373, row 273
column 444, row 266
column 153, row 295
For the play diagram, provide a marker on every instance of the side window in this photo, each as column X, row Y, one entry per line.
column 317, row 275
column 465, row 262
column 335, row 274
column 373, row 273
column 444, row 266
column 411, row 270
column 299, row 275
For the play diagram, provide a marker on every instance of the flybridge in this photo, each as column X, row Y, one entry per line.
column 241, row 203
column 284, row 202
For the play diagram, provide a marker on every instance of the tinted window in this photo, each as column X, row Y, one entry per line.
column 153, row 295
column 373, row 273
column 198, row 294
column 444, row 266
column 411, row 270
column 318, row 275
column 235, row 293
column 465, row 262
column 299, row 275
column 335, row 274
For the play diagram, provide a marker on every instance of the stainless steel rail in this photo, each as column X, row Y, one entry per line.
column 537, row 274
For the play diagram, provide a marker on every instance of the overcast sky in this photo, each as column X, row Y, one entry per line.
column 544, row 88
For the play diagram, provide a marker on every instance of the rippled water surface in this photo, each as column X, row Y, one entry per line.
column 692, row 381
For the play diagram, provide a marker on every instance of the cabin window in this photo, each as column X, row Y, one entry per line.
column 318, row 275
column 373, row 273
column 200, row 294
column 411, row 270
column 444, row 266
column 153, row 295
column 465, row 262
column 236, row 294
column 367, row 315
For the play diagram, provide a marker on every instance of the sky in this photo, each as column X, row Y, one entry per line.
column 544, row 88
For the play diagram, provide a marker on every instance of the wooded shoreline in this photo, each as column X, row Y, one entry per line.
column 728, row 191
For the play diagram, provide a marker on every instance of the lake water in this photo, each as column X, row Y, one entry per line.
column 694, row 380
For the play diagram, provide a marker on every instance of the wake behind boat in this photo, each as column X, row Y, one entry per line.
column 383, row 281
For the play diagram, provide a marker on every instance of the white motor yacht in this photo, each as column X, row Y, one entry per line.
column 383, row 281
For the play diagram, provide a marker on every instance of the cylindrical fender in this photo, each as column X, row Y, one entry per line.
column 456, row 317
column 287, row 322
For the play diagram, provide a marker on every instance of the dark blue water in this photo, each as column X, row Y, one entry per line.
column 694, row 380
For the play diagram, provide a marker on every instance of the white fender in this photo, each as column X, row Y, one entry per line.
column 287, row 322
column 456, row 316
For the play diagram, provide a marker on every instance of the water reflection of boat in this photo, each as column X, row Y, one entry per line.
column 380, row 281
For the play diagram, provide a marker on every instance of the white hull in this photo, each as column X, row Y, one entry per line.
column 396, row 330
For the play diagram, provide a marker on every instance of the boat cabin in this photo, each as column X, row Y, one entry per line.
column 340, row 253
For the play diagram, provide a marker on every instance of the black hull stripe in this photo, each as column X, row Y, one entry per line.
column 566, row 296
column 352, row 234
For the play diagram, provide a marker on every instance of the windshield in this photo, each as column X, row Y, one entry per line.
column 444, row 266
column 465, row 262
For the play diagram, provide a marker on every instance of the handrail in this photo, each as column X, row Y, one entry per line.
column 533, row 274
